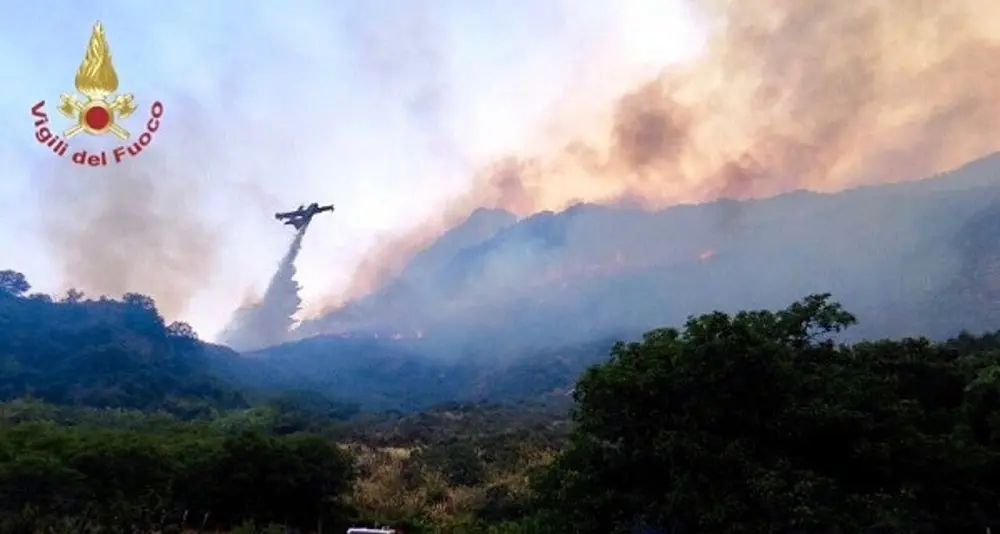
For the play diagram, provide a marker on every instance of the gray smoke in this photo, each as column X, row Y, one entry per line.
column 268, row 321
column 893, row 255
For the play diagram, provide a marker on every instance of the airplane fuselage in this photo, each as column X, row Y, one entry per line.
column 303, row 215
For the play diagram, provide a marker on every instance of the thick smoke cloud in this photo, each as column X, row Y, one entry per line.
column 787, row 95
column 156, row 223
column 130, row 227
column 268, row 321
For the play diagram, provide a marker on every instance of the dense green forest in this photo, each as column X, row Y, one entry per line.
column 754, row 422
column 102, row 353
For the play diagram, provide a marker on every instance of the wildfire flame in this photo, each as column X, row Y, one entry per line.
column 786, row 95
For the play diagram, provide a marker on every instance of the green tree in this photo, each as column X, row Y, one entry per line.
column 103, row 353
column 13, row 283
column 760, row 423
column 457, row 460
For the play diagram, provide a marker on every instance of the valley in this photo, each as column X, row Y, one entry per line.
column 910, row 259
column 509, row 416
column 588, row 267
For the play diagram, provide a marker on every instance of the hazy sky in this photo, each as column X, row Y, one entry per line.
column 381, row 107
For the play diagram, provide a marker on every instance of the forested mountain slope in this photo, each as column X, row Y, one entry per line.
column 102, row 353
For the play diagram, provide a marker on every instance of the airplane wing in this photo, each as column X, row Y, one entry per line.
column 301, row 217
column 289, row 214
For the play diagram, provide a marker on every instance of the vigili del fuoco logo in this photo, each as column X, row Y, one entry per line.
column 98, row 113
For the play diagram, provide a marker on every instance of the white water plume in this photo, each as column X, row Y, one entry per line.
column 267, row 321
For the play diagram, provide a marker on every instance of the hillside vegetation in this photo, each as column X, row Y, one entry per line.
column 102, row 353
column 909, row 258
column 753, row 422
column 390, row 375
column 513, row 308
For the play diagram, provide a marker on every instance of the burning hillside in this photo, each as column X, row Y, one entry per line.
column 786, row 95
column 890, row 253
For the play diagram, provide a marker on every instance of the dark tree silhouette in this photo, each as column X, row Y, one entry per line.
column 13, row 283
column 757, row 422
column 103, row 353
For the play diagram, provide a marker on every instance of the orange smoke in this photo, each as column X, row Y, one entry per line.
column 787, row 95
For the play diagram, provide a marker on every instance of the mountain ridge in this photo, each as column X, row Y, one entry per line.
column 505, row 274
column 517, row 310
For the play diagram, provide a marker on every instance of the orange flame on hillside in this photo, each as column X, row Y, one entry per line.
column 787, row 95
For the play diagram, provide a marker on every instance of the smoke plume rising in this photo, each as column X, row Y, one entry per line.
column 129, row 228
column 786, row 95
column 268, row 321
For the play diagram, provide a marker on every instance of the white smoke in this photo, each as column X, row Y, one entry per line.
column 268, row 321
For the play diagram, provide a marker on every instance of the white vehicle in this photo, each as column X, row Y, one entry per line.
column 363, row 530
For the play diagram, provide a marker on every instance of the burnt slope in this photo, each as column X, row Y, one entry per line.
column 888, row 252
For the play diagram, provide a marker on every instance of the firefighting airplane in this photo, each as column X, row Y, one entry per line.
column 302, row 216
